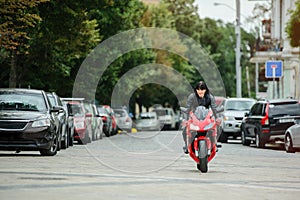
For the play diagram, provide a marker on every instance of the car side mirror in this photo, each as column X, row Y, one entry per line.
column 246, row 114
column 55, row 109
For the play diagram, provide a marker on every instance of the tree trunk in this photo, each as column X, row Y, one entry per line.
column 13, row 71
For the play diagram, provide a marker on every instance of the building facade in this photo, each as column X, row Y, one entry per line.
column 275, row 46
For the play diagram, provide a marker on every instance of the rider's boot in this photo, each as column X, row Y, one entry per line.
column 185, row 149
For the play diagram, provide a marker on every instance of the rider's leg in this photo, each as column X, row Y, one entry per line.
column 185, row 148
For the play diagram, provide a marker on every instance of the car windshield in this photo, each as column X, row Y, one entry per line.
column 239, row 105
column 147, row 116
column 22, row 101
column 161, row 112
column 51, row 99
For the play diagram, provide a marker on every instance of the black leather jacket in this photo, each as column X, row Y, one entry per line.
column 194, row 101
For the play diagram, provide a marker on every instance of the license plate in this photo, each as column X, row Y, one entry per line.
column 286, row 120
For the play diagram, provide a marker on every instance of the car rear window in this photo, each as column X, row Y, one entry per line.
column 75, row 109
column 292, row 109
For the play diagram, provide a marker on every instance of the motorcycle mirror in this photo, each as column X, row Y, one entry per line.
column 220, row 108
column 183, row 109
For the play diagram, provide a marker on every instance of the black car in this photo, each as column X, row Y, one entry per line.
column 62, row 119
column 27, row 121
column 70, row 123
column 268, row 120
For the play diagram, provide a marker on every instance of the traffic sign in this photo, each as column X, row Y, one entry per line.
column 273, row 69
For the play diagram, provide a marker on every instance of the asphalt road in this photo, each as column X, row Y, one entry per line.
column 149, row 165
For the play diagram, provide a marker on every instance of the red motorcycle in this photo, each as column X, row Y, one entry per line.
column 201, row 132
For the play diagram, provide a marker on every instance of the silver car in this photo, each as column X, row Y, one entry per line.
column 124, row 121
column 234, row 112
column 292, row 138
column 148, row 121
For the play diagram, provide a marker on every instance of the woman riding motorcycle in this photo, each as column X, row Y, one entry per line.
column 200, row 97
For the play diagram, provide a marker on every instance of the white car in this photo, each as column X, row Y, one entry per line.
column 166, row 117
column 234, row 112
column 148, row 121
column 292, row 138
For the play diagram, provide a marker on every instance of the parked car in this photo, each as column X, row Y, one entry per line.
column 70, row 124
column 97, row 123
column 292, row 138
column 166, row 117
column 94, row 120
column 268, row 120
column 76, row 109
column 113, row 119
column 63, row 121
column 106, row 119
column 124, row 121
column 27, row 121
column 232, row 116
column 148, row 121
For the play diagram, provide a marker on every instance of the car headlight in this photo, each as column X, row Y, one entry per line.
column 226, row 118
column 41, row 123
column 194, row 127
column 209, row 126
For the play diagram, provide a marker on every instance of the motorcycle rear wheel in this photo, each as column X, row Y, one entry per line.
column 203, row 157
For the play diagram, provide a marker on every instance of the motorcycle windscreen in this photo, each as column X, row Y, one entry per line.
column 201, row 112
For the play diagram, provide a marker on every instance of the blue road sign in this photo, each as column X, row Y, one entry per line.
column 273, row 69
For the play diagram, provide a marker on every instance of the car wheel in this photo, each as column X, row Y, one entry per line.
column 71, row 138
column 107, row 131
column 244, row 140
column 65, row 142
column 129, row 130
column 223, row 137
column 288, row 144
column 53, row 148
column 259, row 141
column 86, row 138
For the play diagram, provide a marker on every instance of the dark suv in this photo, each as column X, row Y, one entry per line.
column 267, row 121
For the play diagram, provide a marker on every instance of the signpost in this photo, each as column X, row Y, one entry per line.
column 273, row 70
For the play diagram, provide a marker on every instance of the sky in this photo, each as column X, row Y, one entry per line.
column 224, row 12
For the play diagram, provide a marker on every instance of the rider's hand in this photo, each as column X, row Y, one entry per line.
column 218, row 121
column 183, row 122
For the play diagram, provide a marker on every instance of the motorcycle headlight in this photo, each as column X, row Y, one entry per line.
column 41, row 123
column 194, row 127
column 209, row 126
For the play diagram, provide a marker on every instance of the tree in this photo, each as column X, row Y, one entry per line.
column 17, row 19
column 60, row 43
column 293, row 26
column 186, row 16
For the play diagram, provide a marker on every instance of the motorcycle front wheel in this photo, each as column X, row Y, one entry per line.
column 203, row 157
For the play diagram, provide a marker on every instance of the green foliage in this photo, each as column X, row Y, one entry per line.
column 293, row 26
column 17, row 18
column 52, row 39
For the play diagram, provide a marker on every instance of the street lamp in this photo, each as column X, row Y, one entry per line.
column 238, row 46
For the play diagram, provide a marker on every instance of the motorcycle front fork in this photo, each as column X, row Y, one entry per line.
column 196, row 147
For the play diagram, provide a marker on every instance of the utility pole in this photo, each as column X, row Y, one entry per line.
column 238, row 50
